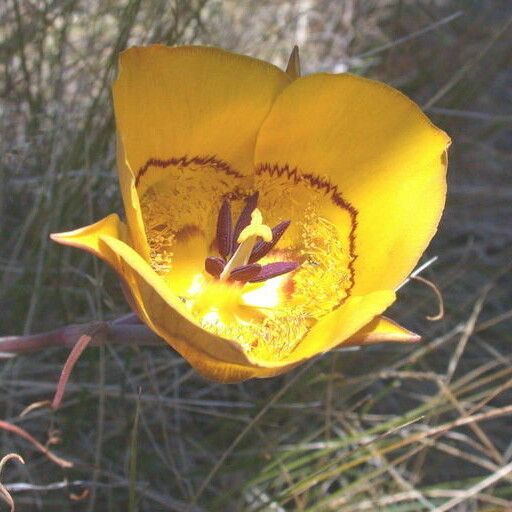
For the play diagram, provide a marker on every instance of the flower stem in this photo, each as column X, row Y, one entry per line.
column 120, row 331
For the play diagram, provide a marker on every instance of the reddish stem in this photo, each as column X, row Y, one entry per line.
column 123, row 332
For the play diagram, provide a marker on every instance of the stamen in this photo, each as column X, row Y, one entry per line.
column 262, row 248
column 245, row 273
column 273, row 270
column 224, row 230
column 214, row 265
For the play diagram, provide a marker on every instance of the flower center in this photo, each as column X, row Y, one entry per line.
column 266, row 301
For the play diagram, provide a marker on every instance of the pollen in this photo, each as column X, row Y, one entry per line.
column 326, row 261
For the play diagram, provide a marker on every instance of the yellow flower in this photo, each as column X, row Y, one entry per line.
column 337, row 182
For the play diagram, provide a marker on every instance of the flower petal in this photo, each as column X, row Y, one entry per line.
column 106, row 239
column 191, row 101
column 381, row 330
column 131, row 202
column 88, row 237
column 370, row 145
column 341, row 324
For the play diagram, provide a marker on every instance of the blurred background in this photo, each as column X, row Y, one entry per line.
column 388, row 428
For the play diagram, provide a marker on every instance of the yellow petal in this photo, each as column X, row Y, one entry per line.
column 187, row 120
column 105, row 239
column 365, row 144
column 381, row 330
column 131, row 202
column 88, row 237
column 341, row 324
column 191, row 102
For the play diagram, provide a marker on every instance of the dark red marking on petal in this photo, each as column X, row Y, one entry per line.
column 245, row 273
column 245, row 217
column 224, row 230
column 214, row 265
column 186, row 161
column 321, row 184
column 273, row 270
column 263, row 248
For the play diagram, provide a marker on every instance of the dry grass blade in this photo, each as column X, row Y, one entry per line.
column 439, row 296
column 476, row 489
column 4, row 493
column 466, row 334
column 464, row 70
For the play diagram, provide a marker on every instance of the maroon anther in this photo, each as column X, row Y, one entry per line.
column 245, row 219
column 245, row 273
column 214, row 265
column 224, row 230
column 263, row 248
column 273, row 270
